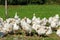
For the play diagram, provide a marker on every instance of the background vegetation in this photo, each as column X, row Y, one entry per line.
column 25, row 2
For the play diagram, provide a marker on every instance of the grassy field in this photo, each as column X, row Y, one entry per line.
column 28, row 10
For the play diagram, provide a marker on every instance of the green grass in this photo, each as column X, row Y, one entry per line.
column 40, row 10
column 28, row 10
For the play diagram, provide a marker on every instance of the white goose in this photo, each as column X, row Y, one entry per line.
column 16, row 16
column 34, row 17
column 25, row 26
column 44, row 21
column 49, row 31
column 41, row 31
column 36, row 20
column 55, row 21
column 28, row 21
column 35, row 26
column 15, row 27
column 17, row 19
column 50, row 19
column 1, row 22
column 58, row 32
column 1, row 19
column 7, row 27
column 10, row 20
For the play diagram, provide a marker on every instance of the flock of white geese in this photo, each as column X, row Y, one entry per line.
column 40, row 26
